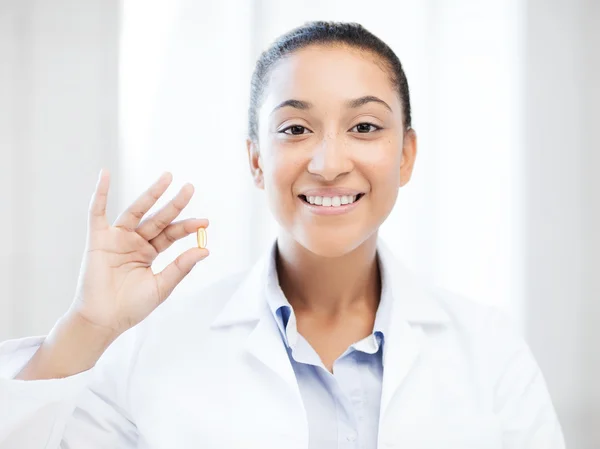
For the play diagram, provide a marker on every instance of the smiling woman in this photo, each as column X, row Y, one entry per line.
column 327, row 342
column 340, row 134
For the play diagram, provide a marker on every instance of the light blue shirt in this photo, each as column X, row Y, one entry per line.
column 342, row 408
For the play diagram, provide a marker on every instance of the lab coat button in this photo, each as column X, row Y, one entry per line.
column 351, row 437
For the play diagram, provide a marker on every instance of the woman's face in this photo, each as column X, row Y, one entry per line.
column 331, row 149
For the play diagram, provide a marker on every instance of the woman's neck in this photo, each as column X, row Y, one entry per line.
column 327, row 286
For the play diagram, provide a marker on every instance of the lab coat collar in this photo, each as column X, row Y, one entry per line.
column 413, row 301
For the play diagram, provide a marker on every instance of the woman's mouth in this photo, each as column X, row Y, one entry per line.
column 331, row 205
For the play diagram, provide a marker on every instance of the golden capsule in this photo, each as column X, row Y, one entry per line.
column 201, row 234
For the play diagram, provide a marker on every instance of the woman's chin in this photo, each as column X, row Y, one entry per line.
column 331, row 245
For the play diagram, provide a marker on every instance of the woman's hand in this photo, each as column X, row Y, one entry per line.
column 117, row 288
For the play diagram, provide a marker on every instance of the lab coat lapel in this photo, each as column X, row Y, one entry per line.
column 265, row 343
column 248, row 304
column 413, row 307
column 401, row 349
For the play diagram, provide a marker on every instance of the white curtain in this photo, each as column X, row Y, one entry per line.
column 185, row 70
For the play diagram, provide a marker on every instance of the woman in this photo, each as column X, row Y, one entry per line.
column 327, row 342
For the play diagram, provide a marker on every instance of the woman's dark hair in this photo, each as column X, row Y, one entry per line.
column 324, row 33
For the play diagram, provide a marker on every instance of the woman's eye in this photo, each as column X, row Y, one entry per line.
column 295, row 130
column 365, row 128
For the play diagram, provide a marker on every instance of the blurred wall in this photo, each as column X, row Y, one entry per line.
column 562, row 207
column 58, row 126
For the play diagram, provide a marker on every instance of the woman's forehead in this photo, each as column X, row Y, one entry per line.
column 333, row 74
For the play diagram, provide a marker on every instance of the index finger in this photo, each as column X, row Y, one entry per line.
column 132, row 216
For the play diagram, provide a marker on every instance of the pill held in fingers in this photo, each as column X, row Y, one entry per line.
column 201, row 235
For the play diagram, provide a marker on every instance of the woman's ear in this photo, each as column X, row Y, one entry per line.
column 255, row 163
column 409, row 154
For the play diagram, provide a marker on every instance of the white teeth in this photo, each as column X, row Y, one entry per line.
column 331, row 201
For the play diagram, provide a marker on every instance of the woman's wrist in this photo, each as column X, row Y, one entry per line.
column 74, row 345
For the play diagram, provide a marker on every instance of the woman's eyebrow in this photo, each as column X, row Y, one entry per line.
column 298, row 104
column 358, row 102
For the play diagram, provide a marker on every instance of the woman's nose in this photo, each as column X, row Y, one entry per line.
column 330, row 159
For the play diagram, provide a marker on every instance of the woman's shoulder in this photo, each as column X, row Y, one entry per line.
column 473, row 316
column 184, row 316
column 487, row 332
column 199, row 306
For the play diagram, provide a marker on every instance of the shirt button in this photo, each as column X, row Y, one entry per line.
column 351, row 437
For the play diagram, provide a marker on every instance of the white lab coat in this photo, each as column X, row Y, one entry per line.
column 211, row 371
